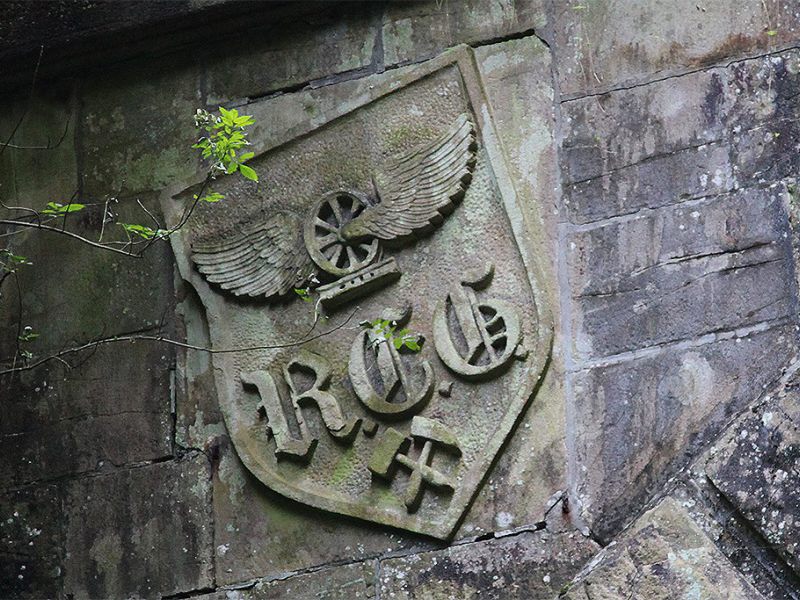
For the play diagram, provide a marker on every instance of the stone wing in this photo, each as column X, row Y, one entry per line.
column 418, row 189
column 266, row 260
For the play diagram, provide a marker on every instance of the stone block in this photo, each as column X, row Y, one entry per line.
column 526, row 565
column 40, row 165
column 720, row 263
column 640, row 420
column 756, row 468
column 323, row 42
column 766, row 117
column 664, row 555
column 626, row 127
column 346, row 582
column 694, row 172
column 616, row 256
column 415, row 31
column 605, row 45
column 31, row 542
column 712, row 293
column 143, row 532
column 137, row 127
column 248, row 517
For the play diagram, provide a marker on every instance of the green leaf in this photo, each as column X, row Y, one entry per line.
column 772, row 32
column 54, row 208
column 212, row 197
column 412, row 345
column 248, row 172
column 246, row 156
column 144, row 232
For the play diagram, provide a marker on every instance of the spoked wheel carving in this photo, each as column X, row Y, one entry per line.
column 323, row 238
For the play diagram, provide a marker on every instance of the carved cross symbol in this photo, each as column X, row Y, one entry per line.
column 393, row 452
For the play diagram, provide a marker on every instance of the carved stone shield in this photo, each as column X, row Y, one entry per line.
column 398, row 210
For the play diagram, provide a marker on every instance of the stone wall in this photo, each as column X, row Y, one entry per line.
column 653, row 148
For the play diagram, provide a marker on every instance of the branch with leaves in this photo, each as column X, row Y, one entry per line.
column 221, row 146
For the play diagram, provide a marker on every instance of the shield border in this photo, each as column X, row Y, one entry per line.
column 463, row 58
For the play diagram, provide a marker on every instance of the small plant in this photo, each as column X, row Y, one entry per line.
column 10, row 262
column 224, row 137
column 385, row 331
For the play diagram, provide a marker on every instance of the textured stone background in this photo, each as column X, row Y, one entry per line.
column 660, row 143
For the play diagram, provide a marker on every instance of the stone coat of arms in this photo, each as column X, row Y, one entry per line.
column 400, row 208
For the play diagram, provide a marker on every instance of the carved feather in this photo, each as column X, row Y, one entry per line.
column 419, row 188
column 266, row 260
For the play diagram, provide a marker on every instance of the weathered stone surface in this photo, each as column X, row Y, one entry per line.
column 766, row 117
column 640, row 420
column 757, row 468
column 198, row 421
column 665, row 555
column 417, row 30
column 658, row 181
column 628, row 127
column 54, row 423
column 31, row 542
column 526, row 565
column 142, row 532
column 134, row 136
column 346, row 582
column 691, row 136
column 40, row 165
column 603, row 45
column 325, row 42
column 248, row 518
column 58, row 421
column 720, row 263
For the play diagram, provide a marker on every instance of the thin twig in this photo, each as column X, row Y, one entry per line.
column 149, row 214
column 27, row 104
column 157, row 338
column 69, row 234
column 47, row 147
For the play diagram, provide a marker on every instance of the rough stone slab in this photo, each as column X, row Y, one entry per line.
column 525, row 565
column 626, row 254
column 134, row 136
column 355, row 581
column 662, row 180
column 623, row 128
column 603, row 45
column 248, row 517
column 414, row 31
column 31, row 176
column 31, row 543
column 698, row 134
column 757, row 468
column 55, row 422
column 687, row 300
column 639, row 421
column 322, row 43
column 719, row 263
column 665, row 555
column 142, row 532
column 767, row 115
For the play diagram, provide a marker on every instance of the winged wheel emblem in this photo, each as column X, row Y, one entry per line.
column 342, row 235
